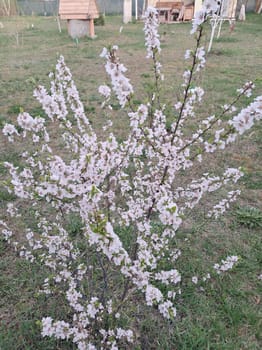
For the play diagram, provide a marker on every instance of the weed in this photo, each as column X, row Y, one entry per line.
column 89, row 109
column 116, row 106
column 37, row 112
column 2, row 121
column 15, row 109
column 74, row 225
column 145, row 75
column 100, row 21
column 248, row 216
column 5, row 196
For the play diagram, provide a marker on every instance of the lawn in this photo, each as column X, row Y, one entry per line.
column 223, row 314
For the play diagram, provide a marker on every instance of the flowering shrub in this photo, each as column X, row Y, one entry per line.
column 132, row 185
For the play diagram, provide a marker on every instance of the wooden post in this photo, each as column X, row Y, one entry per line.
column 197, row 6
column 213, row 28
column 91, row 28
column 242, row 13
column 258, row 6
column 127, row 11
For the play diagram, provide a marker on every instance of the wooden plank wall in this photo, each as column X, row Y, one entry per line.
column 78, row 9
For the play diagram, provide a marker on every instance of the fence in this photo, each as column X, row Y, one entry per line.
column 38, row 7
column 50, row 7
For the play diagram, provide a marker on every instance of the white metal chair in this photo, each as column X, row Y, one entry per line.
column 226, row 12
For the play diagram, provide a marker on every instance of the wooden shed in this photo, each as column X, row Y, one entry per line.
column 80, row 15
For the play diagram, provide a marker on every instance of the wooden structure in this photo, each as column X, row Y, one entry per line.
column 174, row 11
column 127, row 11
column 8, row 8
column 258, row 8
column 197, row 5
column 80, row 15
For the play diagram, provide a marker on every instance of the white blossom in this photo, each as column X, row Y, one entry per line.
column 226, row 264
column 195, row 279
column 152, row 41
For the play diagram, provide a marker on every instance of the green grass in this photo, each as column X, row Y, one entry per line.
column 223, row 314
column 6, row 197
column 19, row 328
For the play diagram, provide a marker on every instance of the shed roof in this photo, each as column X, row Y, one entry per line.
column 78, row 9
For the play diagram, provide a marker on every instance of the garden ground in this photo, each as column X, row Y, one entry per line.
column 224, row 314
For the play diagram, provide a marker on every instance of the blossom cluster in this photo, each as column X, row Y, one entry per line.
column 209, row 7
column 226, row 264
column 152, row 38
column 120, row 83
